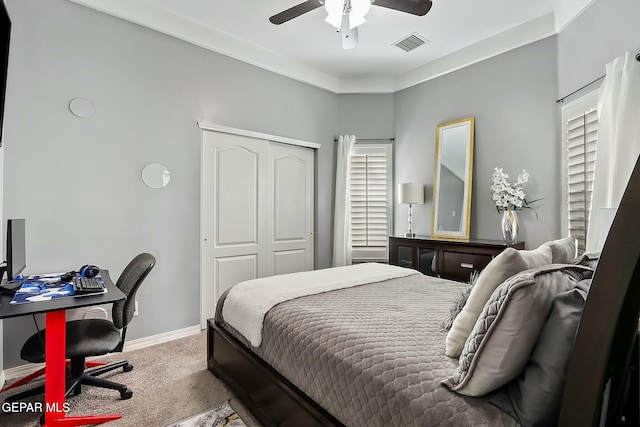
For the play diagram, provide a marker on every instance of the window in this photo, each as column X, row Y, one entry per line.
column 371, row 201
column 580, row 133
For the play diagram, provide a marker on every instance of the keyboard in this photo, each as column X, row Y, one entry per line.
column 87, row 285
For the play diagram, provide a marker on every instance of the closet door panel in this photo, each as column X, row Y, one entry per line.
column 285, row 262
column 292, row 208
column 234, row 224
column 232, row 270
column 237, row 196
column 257, row 212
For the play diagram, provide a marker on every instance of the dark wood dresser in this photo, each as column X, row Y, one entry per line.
column 449, row 259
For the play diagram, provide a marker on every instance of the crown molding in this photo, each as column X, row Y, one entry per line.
column 157, row 18
column 567, row 11
column 529, row 32
column 365, row 85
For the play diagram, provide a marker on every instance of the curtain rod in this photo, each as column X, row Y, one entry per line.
column 589, row 84
column 578, row 90
column 369, row 139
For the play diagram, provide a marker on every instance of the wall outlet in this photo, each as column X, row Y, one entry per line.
column 135, row 309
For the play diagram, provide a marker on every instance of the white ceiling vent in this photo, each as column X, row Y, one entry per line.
column 411, row 42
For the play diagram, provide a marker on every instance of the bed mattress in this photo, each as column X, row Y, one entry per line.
column 373, row 355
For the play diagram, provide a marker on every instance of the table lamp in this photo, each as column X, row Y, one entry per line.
column 410, row 194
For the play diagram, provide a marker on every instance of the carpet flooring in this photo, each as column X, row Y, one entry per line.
column 170, row 382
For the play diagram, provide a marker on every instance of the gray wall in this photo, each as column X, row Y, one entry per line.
column 366, row 115
column 512, row 97
column 77, row 181
column 606, row 30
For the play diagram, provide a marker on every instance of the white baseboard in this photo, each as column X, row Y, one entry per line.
column 23, row 370
column 160, row 338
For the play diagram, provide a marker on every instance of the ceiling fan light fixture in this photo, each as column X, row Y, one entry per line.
column 354, row 9
column 335, row 10
column 359, row 8
column 334, row 21
column 355, row 20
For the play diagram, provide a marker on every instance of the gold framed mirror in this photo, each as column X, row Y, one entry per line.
column 452, row 181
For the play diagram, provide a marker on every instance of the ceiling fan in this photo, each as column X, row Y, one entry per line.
column 347, row 15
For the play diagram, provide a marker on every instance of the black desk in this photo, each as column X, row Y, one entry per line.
column 55, row 347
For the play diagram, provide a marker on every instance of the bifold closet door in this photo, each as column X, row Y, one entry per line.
column 257, row 212
column 292, row 208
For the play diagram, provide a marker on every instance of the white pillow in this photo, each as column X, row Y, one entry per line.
column 509, row 262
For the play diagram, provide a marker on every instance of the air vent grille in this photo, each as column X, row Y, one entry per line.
column 411, row 42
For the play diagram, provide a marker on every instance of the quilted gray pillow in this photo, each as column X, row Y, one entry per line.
column 504, row 335
column 506, row 264
column 534, row 397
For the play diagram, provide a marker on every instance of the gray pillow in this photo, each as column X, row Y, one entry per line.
column 534, row 397
column 563, row 250
column 509, row 262
column 506, row 332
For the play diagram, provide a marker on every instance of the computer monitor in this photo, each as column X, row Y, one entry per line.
column 16, row 248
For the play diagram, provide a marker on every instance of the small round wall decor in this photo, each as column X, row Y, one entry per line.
column 82, row 107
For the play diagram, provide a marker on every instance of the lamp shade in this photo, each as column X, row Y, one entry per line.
column 411, row 193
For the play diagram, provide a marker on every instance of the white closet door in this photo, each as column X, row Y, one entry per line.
column 235, row 229
column 292, row 182
column 257, row 212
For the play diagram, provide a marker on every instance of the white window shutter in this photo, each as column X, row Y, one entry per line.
column 371, row 201
column 580, row 125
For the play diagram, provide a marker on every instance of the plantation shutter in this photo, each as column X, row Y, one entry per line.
column 370, row 200
column 581, row 140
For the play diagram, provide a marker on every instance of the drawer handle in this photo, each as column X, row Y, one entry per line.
column 466, row 265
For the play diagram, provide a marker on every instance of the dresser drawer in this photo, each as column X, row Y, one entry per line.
column 449, row 259
column 460, row 265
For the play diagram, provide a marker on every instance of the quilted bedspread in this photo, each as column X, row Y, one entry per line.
column 373, row 355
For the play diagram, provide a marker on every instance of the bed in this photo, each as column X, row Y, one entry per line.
column 322, row 356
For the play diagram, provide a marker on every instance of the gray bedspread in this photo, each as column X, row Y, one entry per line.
column 373, row 355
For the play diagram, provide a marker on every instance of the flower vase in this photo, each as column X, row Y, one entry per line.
column 510, row 225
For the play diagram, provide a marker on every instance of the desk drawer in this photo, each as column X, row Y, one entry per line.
column 460, row 265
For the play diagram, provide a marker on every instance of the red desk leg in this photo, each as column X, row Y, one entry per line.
column 40, row 372
column 54, row 386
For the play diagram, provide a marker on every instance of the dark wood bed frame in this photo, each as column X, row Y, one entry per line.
column 604, row 354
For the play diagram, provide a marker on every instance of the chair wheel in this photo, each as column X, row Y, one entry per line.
column 126, row 394
column 127, row 368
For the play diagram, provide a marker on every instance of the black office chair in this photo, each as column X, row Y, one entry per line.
column 94, row 337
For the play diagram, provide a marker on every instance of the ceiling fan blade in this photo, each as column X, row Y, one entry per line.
column 414, row 7
column 295, row 11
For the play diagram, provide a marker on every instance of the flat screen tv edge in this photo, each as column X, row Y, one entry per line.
column 5, row 32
